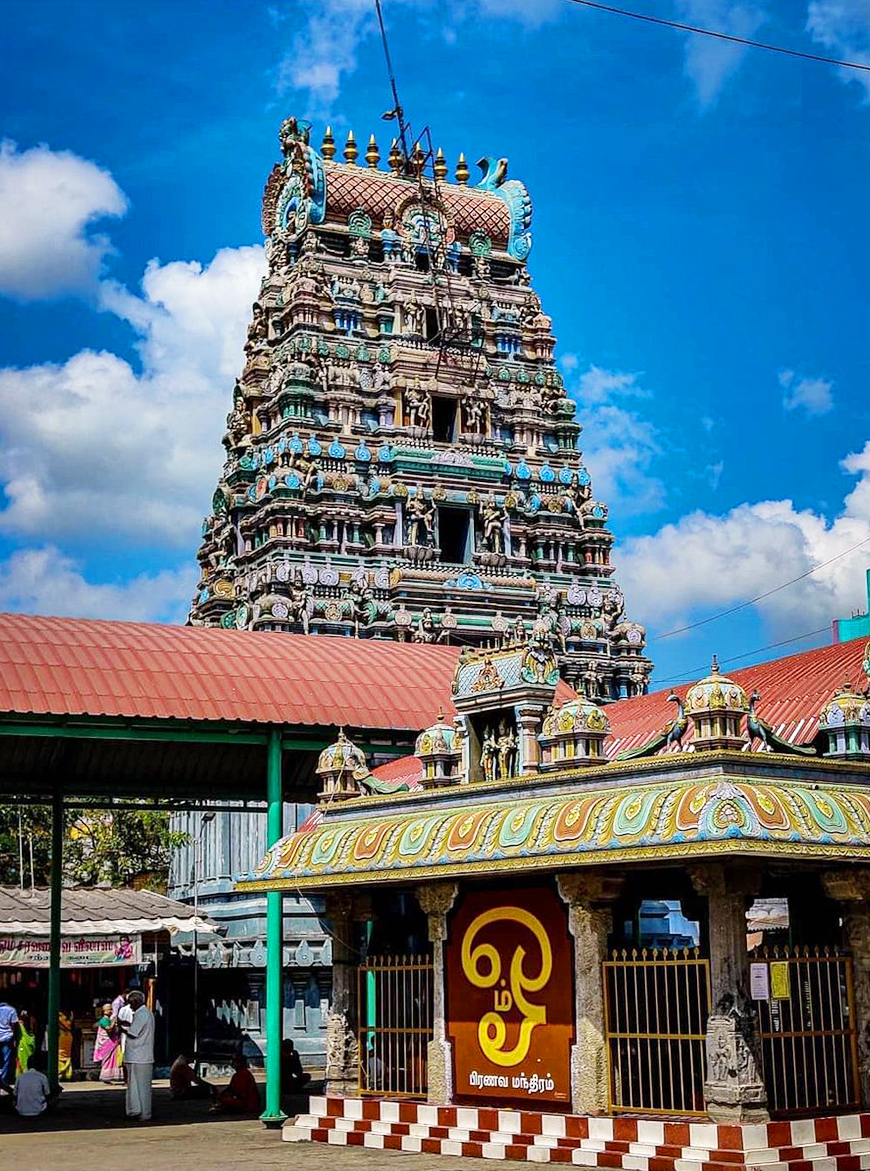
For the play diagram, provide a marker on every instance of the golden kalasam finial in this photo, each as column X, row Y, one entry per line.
column 462, row 171
column 350, row 148
column 714, row 668
column 440, row 716
column 440, row 165
column 327, row 147
column 373, row 155
column 418, row 158
column 395, row 158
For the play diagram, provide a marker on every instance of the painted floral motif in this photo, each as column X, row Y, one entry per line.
column 667, row 818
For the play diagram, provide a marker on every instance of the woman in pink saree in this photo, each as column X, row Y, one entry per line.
column 107, row 1047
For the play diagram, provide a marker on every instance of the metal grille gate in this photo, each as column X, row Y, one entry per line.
column 656, row 1005
column 808, row 1039
column 395, row 1025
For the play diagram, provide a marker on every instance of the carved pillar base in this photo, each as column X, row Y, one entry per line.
column 589, row 920
column 436, row 900
column 734, row 1091
column 342, row 1047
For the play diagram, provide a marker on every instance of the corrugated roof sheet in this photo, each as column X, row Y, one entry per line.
column 72, row 667
column 792, row 692
column 89, row 910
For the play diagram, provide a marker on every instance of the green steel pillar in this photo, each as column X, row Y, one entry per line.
column 273, row 1115
column 53, row 1024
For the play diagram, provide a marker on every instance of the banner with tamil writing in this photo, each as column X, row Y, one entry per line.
column 510, row 996
column 76, row 951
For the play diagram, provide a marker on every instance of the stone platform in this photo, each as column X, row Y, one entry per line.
column 637, row 1144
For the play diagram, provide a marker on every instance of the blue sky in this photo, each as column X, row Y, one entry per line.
column 700, row 240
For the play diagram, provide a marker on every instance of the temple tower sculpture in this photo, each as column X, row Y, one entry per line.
column 402, row 458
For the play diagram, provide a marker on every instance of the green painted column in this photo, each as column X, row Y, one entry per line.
column 53, row 1023
column 273, row 1115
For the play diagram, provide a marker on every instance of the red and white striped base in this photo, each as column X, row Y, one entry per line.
column 820, row 1144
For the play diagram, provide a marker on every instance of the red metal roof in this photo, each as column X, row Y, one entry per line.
column 73, row 667
column 792, row 692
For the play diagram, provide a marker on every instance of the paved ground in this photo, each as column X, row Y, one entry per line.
column 90, row 1133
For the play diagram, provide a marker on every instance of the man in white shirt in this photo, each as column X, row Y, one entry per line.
column 32, row 1091
column 138, row 1056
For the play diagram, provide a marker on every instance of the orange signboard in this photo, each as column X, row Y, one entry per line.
column 510, row 996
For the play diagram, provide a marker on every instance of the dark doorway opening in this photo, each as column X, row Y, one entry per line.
column 443, row 419
column 432, row 330
column 453, row 532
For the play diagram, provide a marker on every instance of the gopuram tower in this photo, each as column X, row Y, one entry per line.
column 402, row 459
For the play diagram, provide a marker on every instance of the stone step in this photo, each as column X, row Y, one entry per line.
column 429, row 1137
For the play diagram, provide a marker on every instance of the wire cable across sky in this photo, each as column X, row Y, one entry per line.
column 720, row 36
column 766, row 594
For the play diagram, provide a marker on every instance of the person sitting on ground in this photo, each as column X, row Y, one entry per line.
column 185, row 1082
column 241, row 1096
column 293, row 1076
column 33, row 1094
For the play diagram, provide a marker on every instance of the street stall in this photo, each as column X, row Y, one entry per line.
column 111, row 940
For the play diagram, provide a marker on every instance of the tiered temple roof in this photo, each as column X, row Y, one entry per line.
column 402, row 458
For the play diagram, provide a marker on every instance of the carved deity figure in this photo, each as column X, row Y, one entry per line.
column 362, row 604
column 577, row 495
column 427, row 629
column 489, row 755
column 298, row 605
column 418, row 409
column 507, row 752
column 474, row 413
column 421, row 521
column 415, row 316
column 494, row 517
column 592, row 682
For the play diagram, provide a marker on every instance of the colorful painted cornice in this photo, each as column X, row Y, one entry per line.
column 674, row 816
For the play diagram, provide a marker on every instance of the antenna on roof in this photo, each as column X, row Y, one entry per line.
column 455, row 339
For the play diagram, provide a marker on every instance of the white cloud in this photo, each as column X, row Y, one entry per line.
column 91, row 448
column 710, row 63
column 704, row 563
column 714, row 473
column 813, row 396
column 324, row 51
column 842, row 27
column 620, row 446
column 46, row 581
column 49, row 202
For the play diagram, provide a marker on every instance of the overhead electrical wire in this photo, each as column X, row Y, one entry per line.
column 720, row 36
column 766, row 594
column 695, row 672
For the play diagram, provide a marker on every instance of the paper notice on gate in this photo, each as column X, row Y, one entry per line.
column 780, row 984
column 759, row 981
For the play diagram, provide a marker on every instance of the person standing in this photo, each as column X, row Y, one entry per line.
column 138, row 1056
column 26, row 1042
column 8, row 1028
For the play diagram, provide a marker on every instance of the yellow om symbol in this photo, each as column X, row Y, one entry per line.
column 491, row 1031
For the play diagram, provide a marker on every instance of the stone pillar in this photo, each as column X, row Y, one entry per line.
column 734, row 1090
column 589, row 921
column 529, row 719
column 436, row 900
column 342, row 1046
column 851, row 888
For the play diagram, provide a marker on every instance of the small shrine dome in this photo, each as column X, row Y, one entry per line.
column 845, row 719
column 573, row 734
column 716, row 693
column 439, row 749
column 578, row 715
column 441, row 738
column 716, row 706
column 339, row 765
column 343, row 754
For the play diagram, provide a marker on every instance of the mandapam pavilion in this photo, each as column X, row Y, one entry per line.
column 542, row 946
